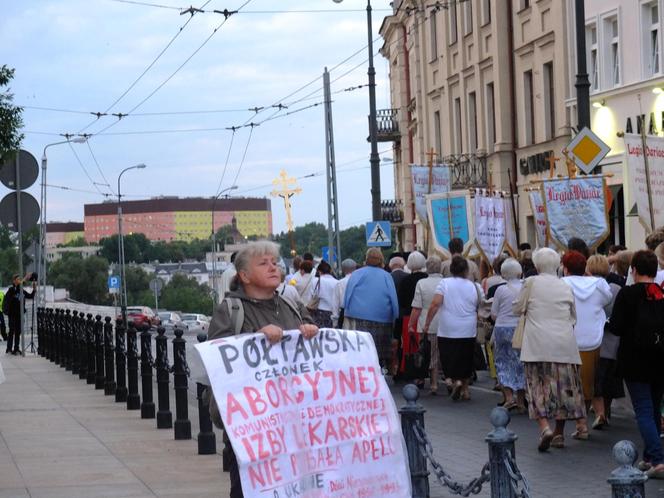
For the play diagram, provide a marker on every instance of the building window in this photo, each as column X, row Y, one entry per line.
column 452, row 18
column 486, row 11
column 650, row 30
column 437, row 131
column 458, row 135
column 549, row 102
column 592, row 56
column 434, row 36
column 529, row 107
column 472, row 122
column 612, row 51
column 491, row 118
column 467, row 17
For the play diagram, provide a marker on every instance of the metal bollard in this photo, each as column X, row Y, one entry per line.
column 120, row 362
column 92, row 352
column 501, row 450
column 40, row 328
column 57, row 327
column 207, row 440
column 147, row 405
column 109, row 377
column 627, row 481
column 411, row 415
column 133, row 398
column 62, row 338
column 71, row 347
column 82, row 347
column 182, row 427
column 98, row 332
column 48, row 324
column 164, row 416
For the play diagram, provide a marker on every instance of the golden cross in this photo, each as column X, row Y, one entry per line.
column 431, row 154
column 551, row 159
column 286, row 188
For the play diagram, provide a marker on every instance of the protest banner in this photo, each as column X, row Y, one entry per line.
column 511, row 241
column 575, row 207
column 311, row 418
column 427, row 180
column 450, row 216
column 636, row 174
column 539, row 215
column 490, row 225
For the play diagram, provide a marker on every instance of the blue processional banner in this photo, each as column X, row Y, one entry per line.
column 450, row 216
column 576, row 207
column 427, row 180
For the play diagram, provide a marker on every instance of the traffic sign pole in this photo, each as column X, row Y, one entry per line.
column 19, row 227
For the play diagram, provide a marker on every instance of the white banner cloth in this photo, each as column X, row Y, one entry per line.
column 490, row 226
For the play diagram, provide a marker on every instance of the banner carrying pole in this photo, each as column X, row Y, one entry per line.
column 646, row 165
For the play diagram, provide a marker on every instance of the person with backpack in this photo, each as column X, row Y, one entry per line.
column 254, row 305
column 11, row 306
column 638, row 319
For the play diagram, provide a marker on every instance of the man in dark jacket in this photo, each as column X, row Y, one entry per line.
column 11, row 306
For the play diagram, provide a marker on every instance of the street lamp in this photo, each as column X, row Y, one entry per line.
column 215, row 298
column 121, row 255
column 41, row 260
column 374, row 158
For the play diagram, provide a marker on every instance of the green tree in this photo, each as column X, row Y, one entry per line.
column 8, row 264
column 85, row 279
column 353, row 243
column 137, row 248
column 77, row 242
column 10, row 116
column 138, row 286
column 187, row 295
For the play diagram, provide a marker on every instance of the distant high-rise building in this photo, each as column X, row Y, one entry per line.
column 174, row 218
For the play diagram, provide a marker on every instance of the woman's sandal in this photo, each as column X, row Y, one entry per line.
column 545, row 440
column 558, row 441
column 599, row 423
column 456, row 391
column 581, row 435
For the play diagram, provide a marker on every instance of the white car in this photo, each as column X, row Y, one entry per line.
column 196, row 321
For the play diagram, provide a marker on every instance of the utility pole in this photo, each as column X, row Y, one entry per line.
column 333, row 242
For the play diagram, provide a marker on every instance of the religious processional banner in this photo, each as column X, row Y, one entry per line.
column 575, row 207
column 636, row 173
column 490, row 225
column 450, row 216
column 539, row 215
column 309, row 418
column 427, row 180
column 511, row 244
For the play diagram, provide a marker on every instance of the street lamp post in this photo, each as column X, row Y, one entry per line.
column 121, row 255
column 374, row 158
column 41, row 260
column 215, row 299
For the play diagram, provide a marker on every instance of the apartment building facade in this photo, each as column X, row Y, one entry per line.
column 483, row 84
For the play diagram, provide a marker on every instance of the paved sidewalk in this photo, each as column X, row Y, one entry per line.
column 61, row 438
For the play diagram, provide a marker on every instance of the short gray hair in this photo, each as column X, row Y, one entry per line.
column 433, row 264
column 396, row 262
column 253, row 249
column 546, row 260
column 348, row 265
column 511, row 269
column 416, row 261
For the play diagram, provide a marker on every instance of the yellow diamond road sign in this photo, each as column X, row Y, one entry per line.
column 587, row 150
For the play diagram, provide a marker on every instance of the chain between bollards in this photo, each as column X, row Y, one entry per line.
column 109, row 364
column 164, row 416
column 207, row 440
column 98, row 332
column 82, row 347
column 182, row 426
column 90, row 344
column 133, row 398
column 68, row 339
column 147, row 405
column 120, row 363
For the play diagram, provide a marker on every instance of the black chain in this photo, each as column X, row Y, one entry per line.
column 120, row 345
column 517, row 480
column 182, row 356
column 150, row 358
column 474, row 487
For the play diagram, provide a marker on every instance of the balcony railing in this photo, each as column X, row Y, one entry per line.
column 467, row 170
column 391, row 210
column 387, row 125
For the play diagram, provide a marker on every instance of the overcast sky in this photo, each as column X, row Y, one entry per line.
column 82, row 55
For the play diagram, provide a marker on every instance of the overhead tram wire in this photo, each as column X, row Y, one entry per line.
column 147, row 4
column 161, row 85
column 78, row 159
column 94, row 158
column 133, row 84
column 228, row 155
column 302, row 11
column 244, row 155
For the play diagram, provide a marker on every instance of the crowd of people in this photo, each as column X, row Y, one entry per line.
column 564, row 331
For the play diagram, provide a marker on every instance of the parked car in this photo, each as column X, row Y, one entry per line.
column 196, row 321
column 142, row 316
column 171, row 320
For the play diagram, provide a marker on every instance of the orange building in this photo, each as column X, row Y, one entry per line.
column 174, row 218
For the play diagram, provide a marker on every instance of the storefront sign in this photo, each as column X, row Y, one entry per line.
column 636, row 173
column 449, row 217
column 308, row 418
column 575, row 207
column 424, row 183
column 490, row 225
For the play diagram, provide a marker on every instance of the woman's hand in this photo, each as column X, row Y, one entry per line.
column 273, row 333
column 308, row 330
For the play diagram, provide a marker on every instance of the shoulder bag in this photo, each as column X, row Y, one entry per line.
column 313, row 303
column 517, row 338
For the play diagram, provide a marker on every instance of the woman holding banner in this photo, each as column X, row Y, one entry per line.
column 254, row 290
column 549, row 351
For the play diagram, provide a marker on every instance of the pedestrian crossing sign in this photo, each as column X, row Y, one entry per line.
column 379, row 234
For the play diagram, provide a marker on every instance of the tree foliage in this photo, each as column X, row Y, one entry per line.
column 139, row 249
column 10, row 116
column 186, row 295
column 84, row 278
column 313, row 236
